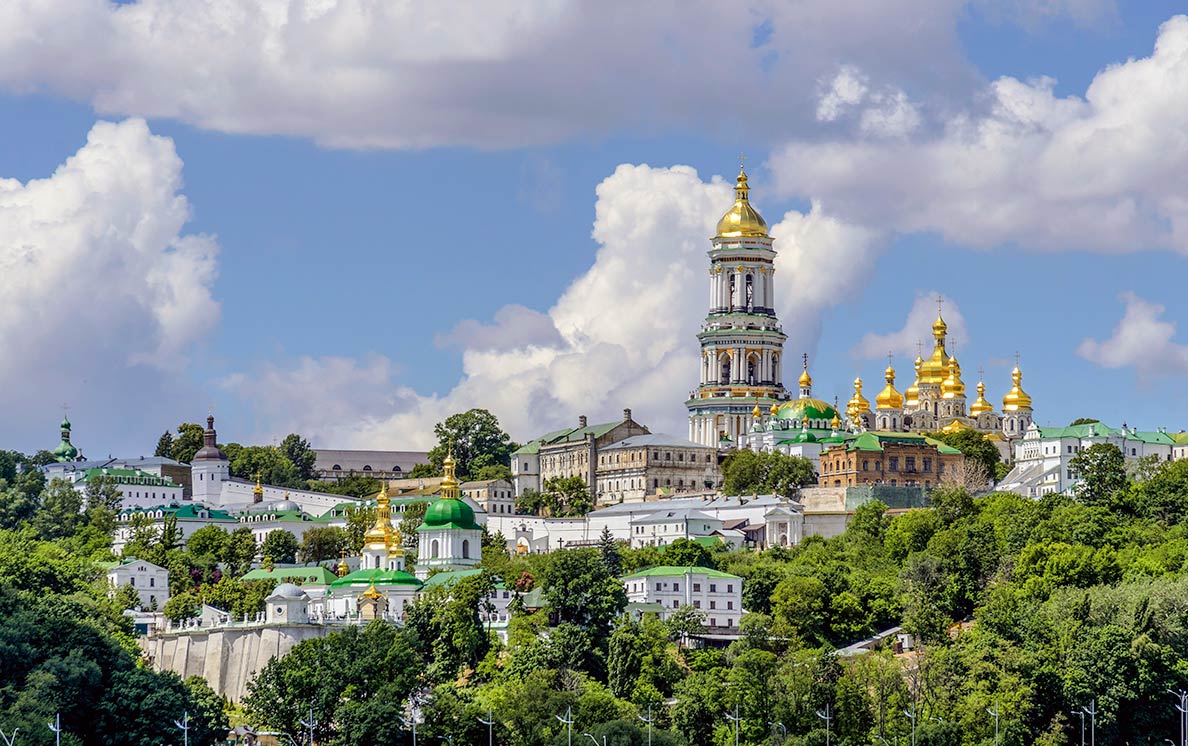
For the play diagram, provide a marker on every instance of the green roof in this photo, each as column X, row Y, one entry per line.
column 709, row 542
column 380, row 576
column 312, row 575
column 1101, row 430
column 449, row 577
column 451, row 513
column 873, row 441
column 672, row 571
column 797, row 409
column 1180, row 438
column 128, row 476
column 183, row 512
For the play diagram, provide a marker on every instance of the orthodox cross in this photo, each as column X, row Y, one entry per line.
column 940, row 301
column 805, row 358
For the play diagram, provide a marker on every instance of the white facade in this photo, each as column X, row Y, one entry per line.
column 666, row 526
column 525, row 469
column 447, row 549
column 150, row 581
column 717, row 595
column 496, row 496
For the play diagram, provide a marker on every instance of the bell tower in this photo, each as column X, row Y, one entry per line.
column 742, row 343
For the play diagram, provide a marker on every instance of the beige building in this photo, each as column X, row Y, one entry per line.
column 493, row 495
column 895, row 459
column 574, row 453
column 643, row 465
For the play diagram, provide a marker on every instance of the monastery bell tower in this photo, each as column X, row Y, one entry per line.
column 742, row 344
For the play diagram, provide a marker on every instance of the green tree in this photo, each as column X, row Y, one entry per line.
column 323, row 543
column 410, row 521
column 476, row 439
column 240, row 551
column 61, row 509
column 975, row 447
column 531, row 502
column 1083, row 421
column 568, row 496
column 187, row 442
column 267, row 461
column 303, row 458
column 687, row 553
column 493, row 471
column 1102, row 470
column 280, row 546
column 164, row 445
column 208, row 542
column 612, row 557
column 745, row 472
column 578, row 588
column 359, row 518
column 355, row 485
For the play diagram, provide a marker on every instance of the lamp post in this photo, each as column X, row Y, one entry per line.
column 778, row 724
column 995, row 713
column 448, row 739
column 1182, row 707
column 734, row 719
column 595, row 740
column 309, row 724
column 184, row 726
column 827, row 718
column 1091, row 711
column 56, row 727
column 649, row 720
column 490, row 723
column 568, row 720
column 9, row 740
column 912, row 716
column 1082, row 714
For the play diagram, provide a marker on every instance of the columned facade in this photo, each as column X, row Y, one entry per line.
column 742, row 344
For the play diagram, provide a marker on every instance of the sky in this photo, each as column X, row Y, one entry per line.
column 351, row 219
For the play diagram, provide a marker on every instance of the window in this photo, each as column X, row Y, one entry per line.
column 713, row 622
column 657, row 586
column 729, row 605
column 433, row 549
column 696, row 603
column 865, row 465
column 697, row 587
column 713, row 604
column 909, row 463
column 730, row 587
column 676, row 586
column 466, row 548
column 667, row 456
column 713, row 588
column 152, row 582
column 366, row 467
column 336, row 467
column 675, row 603
column 927, row 464
column 132, row 582
column 893, row 463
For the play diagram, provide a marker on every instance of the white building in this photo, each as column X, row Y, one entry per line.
column 717, row 595
column 448, row 537
column 1043, row 456
column 666, row 526
column 495, row 496
column 525, row 464
column 138, row 489
column 151, row 582
column 188, row 518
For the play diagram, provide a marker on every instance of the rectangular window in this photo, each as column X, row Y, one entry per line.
column 675, row 603
column 893, row 463
column 696, row 603
column 713, row 588
column 730, row 587
column 713, row 604
column 909, row 463
column 697, row 587
column 729, row 605
column 657, row 586
column 713, row 622
column 927, row 464
column 865, row 465
column 152, row 582
column 132, row 582
column 676, row 586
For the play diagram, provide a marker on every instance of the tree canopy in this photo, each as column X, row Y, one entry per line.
column 477, row 442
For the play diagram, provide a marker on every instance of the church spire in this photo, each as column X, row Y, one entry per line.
column 449, row 482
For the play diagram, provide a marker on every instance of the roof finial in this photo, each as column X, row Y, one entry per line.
column 940, row 301
column 742, row 162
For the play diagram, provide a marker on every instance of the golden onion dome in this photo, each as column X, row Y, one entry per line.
column 343, row 568
column 1016, row 399
column 935, row 369
column 980, row 405
column 858, row 403
column 756, row 411
column 911, row 396
column 805, row 379
column 835, row 423
column 381, row 531
column 953, row 387
column 775, row 408
column 889, row 398
column 742, row 220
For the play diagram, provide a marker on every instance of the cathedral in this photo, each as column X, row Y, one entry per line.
column 741, row 401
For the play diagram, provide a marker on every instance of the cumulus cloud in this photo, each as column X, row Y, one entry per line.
column 492, row 74
column 881, row 113
column 1142, row 339
column 104, row 293
column 1102, row 171
column 623, row 334
column 916, row 329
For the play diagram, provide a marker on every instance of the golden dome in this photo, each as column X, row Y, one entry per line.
column 381, row 531
column 342, row 568
column 835, row 423
column 911, row 395
column 756, row 411
column 953, row 387
column 980, row 405
column 889, row 398
column 396, row 548
column 775, row 407
column 955, row 426
column 858, row 403
column 935, row 369
column 372, row 593
column 449, row 482
column 1016, row 399
column 742, row 219
column 805, row 379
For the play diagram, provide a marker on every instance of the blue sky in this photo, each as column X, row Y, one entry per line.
column 350, row 243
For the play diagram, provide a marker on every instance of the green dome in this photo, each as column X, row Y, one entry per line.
column 804, row 436
column 450, row 513
column 797, row 409
column 375, row 576
column 65, row 451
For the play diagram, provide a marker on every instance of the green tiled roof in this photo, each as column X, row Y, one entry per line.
column 873, row 441
column 313, row 575
column 1101, row 430
column 449, row 577
column 672, row 571
column 183, row 512
column 365, row 578
column 128, row 476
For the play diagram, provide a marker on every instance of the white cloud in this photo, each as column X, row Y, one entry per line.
column 883, row 113
column 622, row 335
column 1103, row 171
column 1143, row 340
column 916, row 329
column 361, row 73
column 846, row 90
column 104, row 294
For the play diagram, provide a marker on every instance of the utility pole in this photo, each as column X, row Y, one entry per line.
column 184, row 726
column 1091, row 711
column 568, row 720
column 734, row 719
column 649, row 720
column 995, row 713
column 827, row 718
column 490, row 723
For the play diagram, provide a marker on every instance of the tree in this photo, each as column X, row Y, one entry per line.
column 976, row 449
column 745, row 472
column 531, row 502
column 267, row 461
column 1083, row 421
column 410, row 521
column 684, row 623
column 1102, row 470
column 579, row 588
column 188, row 441
column 568, row 496
column 303, row 458
column 61, row 510
column 280, row 546
column 164, row 445
column 240, row 551
column 493, row 471
column 355, row 485
column 208, row 542
column 323, row 543
column 687, row 553
column 359, row 518
column 608, row 547
column 476, row 440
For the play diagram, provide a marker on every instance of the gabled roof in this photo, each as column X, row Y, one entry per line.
column 313, row 575
column 674, row 571
column 656, row 439
column 1102, row 430
column 128, row 476
column 673, row 516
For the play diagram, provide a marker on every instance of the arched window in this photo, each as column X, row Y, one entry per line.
column 366, row 467
column 433, row 549
column 724, row 375
column 751, row 371
column 336, row 467
column 396, row 469
column 466, row 549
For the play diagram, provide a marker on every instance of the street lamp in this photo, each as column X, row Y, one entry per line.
column 568, row 720
column 56, row 727
column 649, row 720
column 827, row 718
column 912, row 716
column 1082, row 714
column 595, row 740
column 490, row 723
column 734, row 719
column 9, row 740
column 1182, row 706
column 995, row 713
column 1091, row 711
column 778, row 724
column 184, row 726
column 448, row 739
column 309, row 724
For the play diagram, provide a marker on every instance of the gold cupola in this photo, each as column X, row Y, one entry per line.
column 935, row 369
column 889, row 398
column 343, row 568
column 756, row 411
column 980, row 405
column 953, row 387
column 911, row 395
column 381, row 531
column 858, row 405
column 449, row 482
column 742, row 220
column 1016, row 399
column 806, row 381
